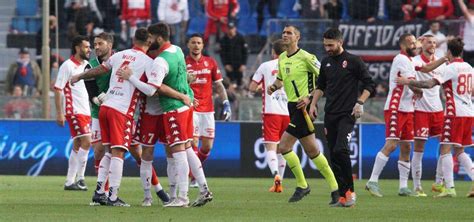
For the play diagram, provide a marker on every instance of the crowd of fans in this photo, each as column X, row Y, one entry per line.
column 123, row 17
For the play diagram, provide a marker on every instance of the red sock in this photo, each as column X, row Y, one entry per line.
column 106, row 189
column 96, row 166
column 195, row 148
column 139, row 162
column 202, row 156
column 154, row 177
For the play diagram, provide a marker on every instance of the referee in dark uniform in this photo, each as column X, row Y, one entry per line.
column 339, row 78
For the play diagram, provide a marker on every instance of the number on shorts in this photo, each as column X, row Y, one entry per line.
column 150, row 137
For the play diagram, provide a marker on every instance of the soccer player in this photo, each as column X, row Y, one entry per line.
column 298, row 68
column 75, row 110
column 116, row 113
column 398, row 114
column 457, row 81
column 428, row 116
column 338, row 80
column 206, row 72
column 275, row 114
column 170, row 69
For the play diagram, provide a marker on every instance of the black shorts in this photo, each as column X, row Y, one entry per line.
column 297, row 127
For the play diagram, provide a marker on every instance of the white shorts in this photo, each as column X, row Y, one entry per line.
column 95, row 128
column 204, row 125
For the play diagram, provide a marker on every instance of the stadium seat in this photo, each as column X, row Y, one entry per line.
column 197, row 25
column 195, row 9
column 245, row 9
column 33, row 25
column 286, row 9
column 19, row 24
column 247, row 26
column 27, row 7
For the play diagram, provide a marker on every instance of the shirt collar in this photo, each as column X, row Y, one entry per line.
column 164, row 47
column 135, row 47
column 74, row 60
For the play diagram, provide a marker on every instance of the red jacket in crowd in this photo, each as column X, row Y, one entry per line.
column 136, row 10
column 435, row 8
column 216, row 9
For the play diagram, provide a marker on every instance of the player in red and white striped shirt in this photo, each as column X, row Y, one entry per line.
column 75, row 109
column 275, row 114
column 457, row 82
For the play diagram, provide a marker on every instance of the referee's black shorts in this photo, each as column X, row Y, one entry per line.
column 297, row 127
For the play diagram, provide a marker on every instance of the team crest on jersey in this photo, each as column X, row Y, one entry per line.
column 206, row 64
column 344, row 64
column 274, row 72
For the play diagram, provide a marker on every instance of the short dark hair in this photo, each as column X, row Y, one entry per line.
column 333, row 33
column 106, row 36
column 455, row 46
column 77, row 41
column 434, row 22
column 428, row 36
column 279, row 46
column 297, row 30
column 403, row 37
column 195, row 35
column 141, row 35
column 160, row 29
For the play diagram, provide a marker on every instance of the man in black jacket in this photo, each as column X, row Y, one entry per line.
column 338, row 80
column 234, row 54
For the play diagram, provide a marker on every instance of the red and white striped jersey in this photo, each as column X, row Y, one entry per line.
column 400, row 98
column 122, row 94
column 457, row 82
column 277, row 102
column 431, row 101
column 76, row 99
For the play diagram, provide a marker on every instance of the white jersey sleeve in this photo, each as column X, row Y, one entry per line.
column 258, row 76
column 400, row 98
column 431, row 100
column 159, row 70
column 276, row 103
column 64, row 74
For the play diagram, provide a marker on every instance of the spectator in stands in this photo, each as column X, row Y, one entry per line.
column 436, row 9
column 468, row 11
column 175, row 13
column 81, row 16
column 53, row 23
column 109, row 8
column 381, row 90
column 364, row 10
column 272, row 9
column 25, row 73
column 333, row 10
column 408, row 9
column 18, row 107
column 395, row 10
column 218, row 13
column 310, row 9
column 234, row 53
column 134, row 13
column 441, row 39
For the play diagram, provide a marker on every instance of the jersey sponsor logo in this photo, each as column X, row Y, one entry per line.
column 328, row 65
column 201, row 81
column 274, row 72
column 200, row 72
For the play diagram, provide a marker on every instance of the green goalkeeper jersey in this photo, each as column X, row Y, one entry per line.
column 301, row 67
column 102, row 83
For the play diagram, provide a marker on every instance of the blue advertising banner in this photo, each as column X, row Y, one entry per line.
column 42, row 148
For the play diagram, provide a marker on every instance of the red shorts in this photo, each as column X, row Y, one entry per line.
column 398, row 125
column 273, row 127
column 212, row 26
column 428, row 124
column 178, row 126
column 150, row 130
column 79, row 125
column 457, row 131
column 116, row 128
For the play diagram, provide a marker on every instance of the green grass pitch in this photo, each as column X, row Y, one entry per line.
column 235, row 199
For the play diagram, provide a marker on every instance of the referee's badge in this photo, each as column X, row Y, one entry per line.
column 287, row 70
column 344, row 64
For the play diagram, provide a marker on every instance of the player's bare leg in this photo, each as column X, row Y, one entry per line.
column 115, row 177
column 100, row 193
column 178, row 152
column 273, row 164
column 466, row 162
column 149, row 177
column 447, row 167
column 416, row 167
column 312, row 150
column 380, row 161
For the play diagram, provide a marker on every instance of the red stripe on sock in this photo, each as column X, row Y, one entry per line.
column 154, row 177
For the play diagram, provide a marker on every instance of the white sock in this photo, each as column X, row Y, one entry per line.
column 72, row 168
column 466, row 162
column 404, row 173
column 281, row 165
column 447, row 166
column 416, row 169
column 182, row 170
column 82, row 156
column 115, row 177
column 380, row 161
column 439, row 171
column 103, row 172
column 171, row 171
column 196, row 169
column 272, row 161
column 145, row 176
